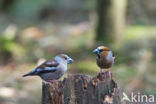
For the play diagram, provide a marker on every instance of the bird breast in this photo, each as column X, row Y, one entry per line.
column 106, row 60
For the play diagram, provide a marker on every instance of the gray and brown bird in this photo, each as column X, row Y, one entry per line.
column 105, row 57
column 53, row 69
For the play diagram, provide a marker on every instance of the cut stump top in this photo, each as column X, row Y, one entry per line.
column 81, row 89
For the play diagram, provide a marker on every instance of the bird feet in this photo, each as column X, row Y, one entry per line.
column 109, row 74
column 104, row 75
column 101, row 76
column 51, row 81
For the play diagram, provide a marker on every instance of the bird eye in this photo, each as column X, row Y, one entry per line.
column 65, row 58
column 101, row 50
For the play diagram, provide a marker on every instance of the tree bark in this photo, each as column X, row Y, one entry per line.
column 81, row 89
column 111, row 18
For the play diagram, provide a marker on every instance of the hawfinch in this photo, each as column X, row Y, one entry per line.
column 52, row 69
column 105, row 58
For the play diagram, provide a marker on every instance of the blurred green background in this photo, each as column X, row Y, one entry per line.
column 32, row 30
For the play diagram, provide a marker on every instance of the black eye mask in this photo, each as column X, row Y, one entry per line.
column 101, row 50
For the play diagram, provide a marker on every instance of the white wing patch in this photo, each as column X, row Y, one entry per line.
column 110, row 55
column 39, row 69
column 50, row 68
column 45, row 69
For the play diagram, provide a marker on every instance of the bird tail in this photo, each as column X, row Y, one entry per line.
column 32, row 73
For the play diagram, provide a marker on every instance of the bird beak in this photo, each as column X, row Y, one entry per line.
column 96, row 51
column 69, row 61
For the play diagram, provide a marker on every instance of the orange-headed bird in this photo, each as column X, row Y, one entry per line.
column 105, row 57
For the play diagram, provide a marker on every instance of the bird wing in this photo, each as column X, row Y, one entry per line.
column 47, row 66
column 110, row 55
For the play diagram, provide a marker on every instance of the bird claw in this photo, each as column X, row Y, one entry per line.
column 109, row 73
column 101, row 76
column 104, row 75
column 52, row 81
column 100, row 73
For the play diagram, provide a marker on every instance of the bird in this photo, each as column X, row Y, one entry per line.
column 105, row 57
column 52, row 69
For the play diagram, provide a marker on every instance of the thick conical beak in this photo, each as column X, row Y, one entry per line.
column 70, row 61
column 96, row 51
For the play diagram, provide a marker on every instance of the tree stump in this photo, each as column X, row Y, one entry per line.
column 81, row 89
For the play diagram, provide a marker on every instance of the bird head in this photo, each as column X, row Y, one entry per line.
column 66, row 58
column 100, row 49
